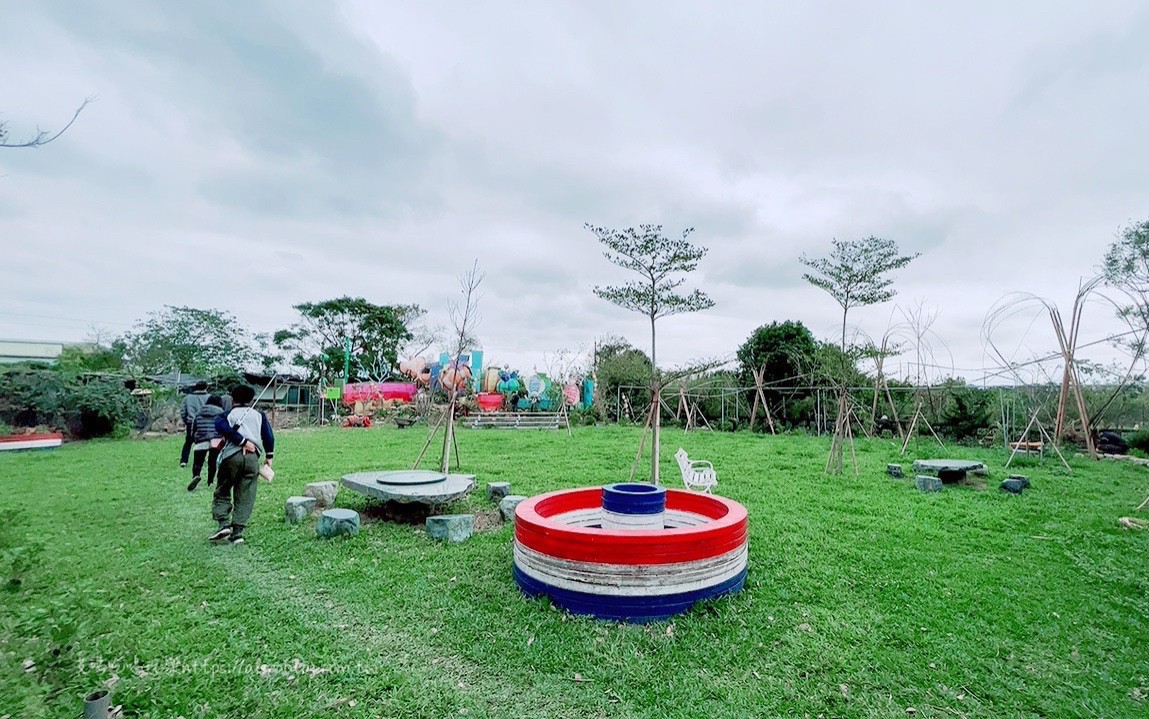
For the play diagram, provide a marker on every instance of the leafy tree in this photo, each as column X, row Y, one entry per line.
column 617, row 365
column 659, row 261
column 188, row 340
column 786, row 351
column 87, row 358
column 857, row 273
column 374, row 332
column 1126, row 266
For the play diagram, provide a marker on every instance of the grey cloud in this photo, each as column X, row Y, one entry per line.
column 374, row 149
column 317, row 140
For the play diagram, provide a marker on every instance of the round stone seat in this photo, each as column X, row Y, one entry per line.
column 411, row 486
column 336, row 522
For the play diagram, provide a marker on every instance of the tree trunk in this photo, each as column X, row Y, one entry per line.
column 448, row 436
column 656, row 399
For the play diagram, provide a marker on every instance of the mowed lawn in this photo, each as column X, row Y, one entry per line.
column 865, row 598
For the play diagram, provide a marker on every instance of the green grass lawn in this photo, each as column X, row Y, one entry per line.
column 865, row 598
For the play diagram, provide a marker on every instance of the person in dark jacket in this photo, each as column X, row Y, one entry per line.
column 188, row 410
column 207, row 440
column 247, row 434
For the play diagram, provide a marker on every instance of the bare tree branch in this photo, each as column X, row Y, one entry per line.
column 43, row 137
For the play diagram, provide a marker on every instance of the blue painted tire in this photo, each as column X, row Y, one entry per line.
column 634, row 499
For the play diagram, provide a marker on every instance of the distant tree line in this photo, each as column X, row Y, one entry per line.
column 85, row 388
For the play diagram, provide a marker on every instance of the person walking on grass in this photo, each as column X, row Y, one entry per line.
column 247, row 436
column 191, row 406
column 208, row 441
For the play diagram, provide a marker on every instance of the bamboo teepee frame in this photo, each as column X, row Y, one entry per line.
column 760, row 398
column 919, row 415
column 1067, row 337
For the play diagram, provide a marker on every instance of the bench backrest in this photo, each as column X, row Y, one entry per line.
column 683, row 460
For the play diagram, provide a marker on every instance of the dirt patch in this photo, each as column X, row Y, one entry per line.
column 397, row 512
column 416, row 514
column 975, row 483
column 487, row 519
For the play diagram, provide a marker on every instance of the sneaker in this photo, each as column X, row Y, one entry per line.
column 235, row 539
column 194, row 483
column 183, row 464
column 223, row 533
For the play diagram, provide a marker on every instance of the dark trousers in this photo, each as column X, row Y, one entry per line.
column 198, row 457
column 234, row 495
column 188, row 442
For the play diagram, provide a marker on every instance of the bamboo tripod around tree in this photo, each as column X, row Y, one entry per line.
column 647, row 426
column 882, row 384
column 654, row 406
column 464, row 317
column 694, row 416
column 760, row 398
column 843, row 433
column 447, row 416
column 919, row 415
column 564, row 414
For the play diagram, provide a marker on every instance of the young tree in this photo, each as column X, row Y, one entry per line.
column 465, row 317
column 318, row 341
column 187, row 340
column 659, row 261
column 856, row 274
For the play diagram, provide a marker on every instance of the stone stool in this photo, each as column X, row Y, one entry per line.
column 507, row 506
column 334, row 522
column 324, row 492
column 1014, row 486
column 450, row 527
column 498, row 490
column 297, row 508
column 928, row 484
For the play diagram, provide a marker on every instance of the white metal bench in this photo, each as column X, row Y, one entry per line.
column 696, row 474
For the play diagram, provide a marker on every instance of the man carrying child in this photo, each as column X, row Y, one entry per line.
column 247, row 436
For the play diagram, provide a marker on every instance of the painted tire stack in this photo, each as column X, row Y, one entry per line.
column 563, row 551
column 633, row 506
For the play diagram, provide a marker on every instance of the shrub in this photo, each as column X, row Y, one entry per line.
column 92, row 408
column 30, row 397
column 587, row 416
column 968, row 416
column 1139, row 440
column 97, row 408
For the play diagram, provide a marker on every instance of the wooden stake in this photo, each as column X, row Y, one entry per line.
column 642, row 442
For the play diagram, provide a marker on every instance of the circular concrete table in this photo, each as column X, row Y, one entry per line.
column 411, row 486
column 947, row 470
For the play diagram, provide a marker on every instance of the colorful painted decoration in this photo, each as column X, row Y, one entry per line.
column 563, row 550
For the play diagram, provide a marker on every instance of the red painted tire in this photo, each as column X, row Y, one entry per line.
column 562, row 551
column 536, row 530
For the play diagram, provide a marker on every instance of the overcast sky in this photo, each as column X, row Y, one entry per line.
column 248, row 156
